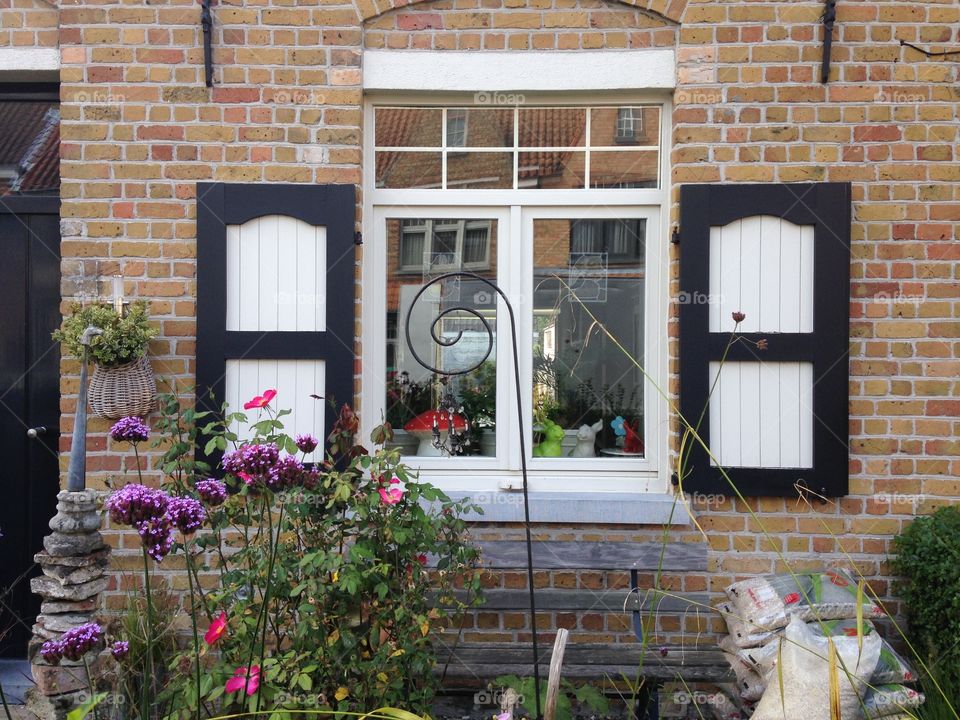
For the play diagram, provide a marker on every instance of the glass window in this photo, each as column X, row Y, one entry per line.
column 413, row 392
column 579, row 262
column 547, row 148
column 588, row 320
column 456, row 128
column 29, row 147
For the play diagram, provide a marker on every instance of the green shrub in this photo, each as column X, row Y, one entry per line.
column 928, row 559
column 124, row 339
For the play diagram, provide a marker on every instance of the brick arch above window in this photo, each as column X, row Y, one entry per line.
column 670, row 11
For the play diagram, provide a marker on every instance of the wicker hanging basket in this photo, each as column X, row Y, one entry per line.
column 122, row 391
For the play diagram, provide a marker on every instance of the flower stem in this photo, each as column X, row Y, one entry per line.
column 266, row 594
column 93, row 690
column 136, row 456
column 6, row 708
column 193, row 617
column 148, row 679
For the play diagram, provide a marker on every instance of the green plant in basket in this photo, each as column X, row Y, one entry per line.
column 124, row 339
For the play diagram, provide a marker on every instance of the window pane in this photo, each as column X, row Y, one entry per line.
column 589, row 278
column 479, row 170
column 408, row 127
column 412, row 243
column 409, row 169
column 552, row 169
column 456, row 127
column 412, row 390
column 631, row 125
column 480, row 127
column 475, row 244
column 552, row 127
column 624, row 169
column 29, row 147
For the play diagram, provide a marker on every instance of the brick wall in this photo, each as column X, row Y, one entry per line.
column 749, row 107
column 28, row 24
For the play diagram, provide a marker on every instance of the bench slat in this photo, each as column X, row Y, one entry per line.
column 577, row 555
column 611, row 600
column 483, row 674
column 485, row 661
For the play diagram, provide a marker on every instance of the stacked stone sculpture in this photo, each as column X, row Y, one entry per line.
column 74, row 562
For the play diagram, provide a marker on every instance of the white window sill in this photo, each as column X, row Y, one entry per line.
column 611, row 508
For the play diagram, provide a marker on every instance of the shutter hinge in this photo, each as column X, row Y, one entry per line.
column 675, row 235
column 358, row 238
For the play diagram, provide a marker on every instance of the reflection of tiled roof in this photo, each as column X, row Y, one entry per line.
column 43, row 171
column 30, row 140
column 19, row 123
column 394, row 127
column 552, row 127
column 546, row 127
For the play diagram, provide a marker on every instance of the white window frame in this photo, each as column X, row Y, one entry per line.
column 643, row 482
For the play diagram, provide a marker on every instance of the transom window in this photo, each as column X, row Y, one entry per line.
column 522, row 147
column 468, row 188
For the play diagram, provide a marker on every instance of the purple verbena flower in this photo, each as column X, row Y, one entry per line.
column 77, row 642
column 311, row 478
column 51, row 651
column 156, row 534
column 288, row 472
column 120, row 649
column 307, row 443
column 255, row 460
column 186, row 513
column 136, row 503
column 211, row 491
column 131, row 430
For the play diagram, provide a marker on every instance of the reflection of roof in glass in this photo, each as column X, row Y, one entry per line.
column 538, row 127
column 30, row 142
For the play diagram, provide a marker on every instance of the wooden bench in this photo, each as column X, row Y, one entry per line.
column 477, row 663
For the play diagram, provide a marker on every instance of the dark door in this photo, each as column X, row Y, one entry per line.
column 29, row 398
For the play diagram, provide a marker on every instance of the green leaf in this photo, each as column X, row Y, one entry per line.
column 81, row 712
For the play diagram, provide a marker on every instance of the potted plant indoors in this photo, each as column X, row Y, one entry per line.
column 406, row 399
column 123, row 383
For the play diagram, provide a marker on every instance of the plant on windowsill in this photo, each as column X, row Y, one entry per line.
column 406, row 399
column 123, row 383
column 479, row 399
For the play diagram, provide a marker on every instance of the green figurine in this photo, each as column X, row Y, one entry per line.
column 552, row 442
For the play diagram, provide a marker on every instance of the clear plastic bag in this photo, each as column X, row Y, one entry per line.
column 767, row 603
column 805, row 667
column 891, row 668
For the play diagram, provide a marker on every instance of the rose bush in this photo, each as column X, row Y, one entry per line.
column 323, row 585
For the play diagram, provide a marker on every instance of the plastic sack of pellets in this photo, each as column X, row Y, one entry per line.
column 891, row 668
column 808, row 675
column 767, row 603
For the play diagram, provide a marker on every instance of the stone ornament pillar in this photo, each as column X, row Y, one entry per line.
column 74, row 562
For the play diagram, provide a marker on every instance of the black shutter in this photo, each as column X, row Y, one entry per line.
column 825, row 207
column 329, row 206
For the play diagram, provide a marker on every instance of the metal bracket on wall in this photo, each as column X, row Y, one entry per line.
column 206, row 21
column 829, row 18
column 929, row 53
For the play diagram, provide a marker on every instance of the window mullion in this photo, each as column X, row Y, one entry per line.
column 519, row 290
